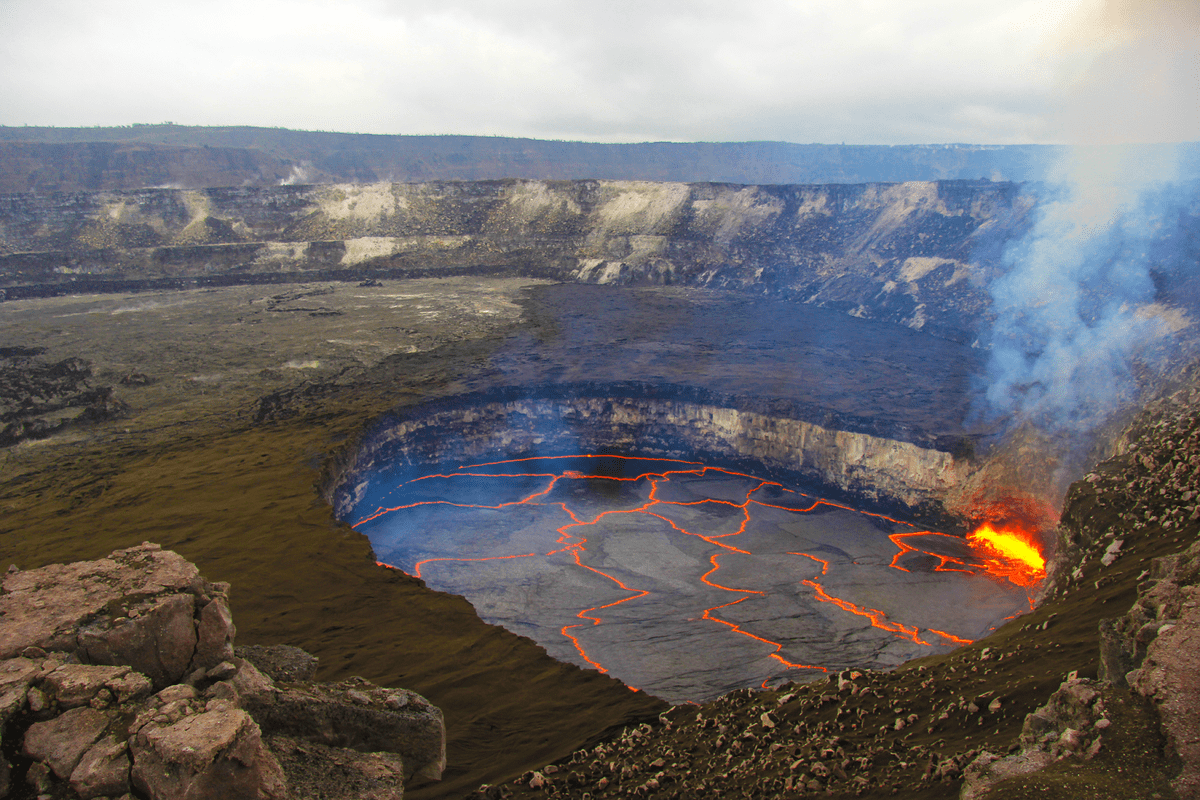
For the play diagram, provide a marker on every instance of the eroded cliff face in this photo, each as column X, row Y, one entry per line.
column 868, row 468
column 920, row 254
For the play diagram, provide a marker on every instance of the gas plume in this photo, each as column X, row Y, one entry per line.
column 1075, row 307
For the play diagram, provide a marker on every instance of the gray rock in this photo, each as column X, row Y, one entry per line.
column 281, row 662
column 333, row 773
column 327, row 714
column 62, row 741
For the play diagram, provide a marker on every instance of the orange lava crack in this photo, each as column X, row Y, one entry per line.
column 995, row 563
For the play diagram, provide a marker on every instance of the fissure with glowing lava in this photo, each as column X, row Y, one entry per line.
column 1005, row 556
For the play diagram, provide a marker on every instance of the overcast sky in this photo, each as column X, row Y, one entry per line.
column 855, row 71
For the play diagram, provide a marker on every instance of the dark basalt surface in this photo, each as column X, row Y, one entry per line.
column 38, row 399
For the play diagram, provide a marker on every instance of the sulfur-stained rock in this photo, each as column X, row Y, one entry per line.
column 213, row 755
column 326, row 713
column 103, row 771
column 61, row 742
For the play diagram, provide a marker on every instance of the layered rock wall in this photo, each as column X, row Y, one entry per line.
column 859, row 465
column 919, row 254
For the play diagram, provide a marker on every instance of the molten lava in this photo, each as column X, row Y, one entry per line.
column 1010, row 552
column 1005, row 554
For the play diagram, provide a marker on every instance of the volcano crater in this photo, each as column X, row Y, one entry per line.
column 685, row 542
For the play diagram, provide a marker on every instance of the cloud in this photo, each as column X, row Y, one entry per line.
column 850, row 70
column 1131, row 73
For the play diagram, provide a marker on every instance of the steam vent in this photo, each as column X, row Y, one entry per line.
column 653, row 489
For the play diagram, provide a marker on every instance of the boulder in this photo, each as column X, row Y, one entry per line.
column 333, row 773
column 1064, row 727
column 280, row 662
column 989, row 768
column 159, row 642
column 358, row 715
column 73, row 685
column 61, row 742
column 217, row 755
column 214, row 634
column 16, row 677
column 162, row 706
column 103, row 771
column 1153, row 650
column 142, row 607
column 1170, row 676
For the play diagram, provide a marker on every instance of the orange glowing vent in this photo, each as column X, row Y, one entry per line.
column 1010, row 553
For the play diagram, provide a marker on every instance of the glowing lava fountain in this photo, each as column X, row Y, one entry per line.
column 688, row 580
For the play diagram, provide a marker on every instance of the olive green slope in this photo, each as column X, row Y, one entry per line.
column 192, row 469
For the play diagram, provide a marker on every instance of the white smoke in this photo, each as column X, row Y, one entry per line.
column 301, row 173
column 1071, row 307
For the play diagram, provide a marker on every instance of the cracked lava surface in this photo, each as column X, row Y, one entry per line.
column 686, row 580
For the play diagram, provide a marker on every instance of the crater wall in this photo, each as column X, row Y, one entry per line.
column 919, row 254
column 880, row 471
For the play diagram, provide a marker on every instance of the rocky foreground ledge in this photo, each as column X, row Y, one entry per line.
column 118, row 678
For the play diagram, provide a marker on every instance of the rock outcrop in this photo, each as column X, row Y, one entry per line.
column 1071, row 724
column 1153, row 649
column 119, row 675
